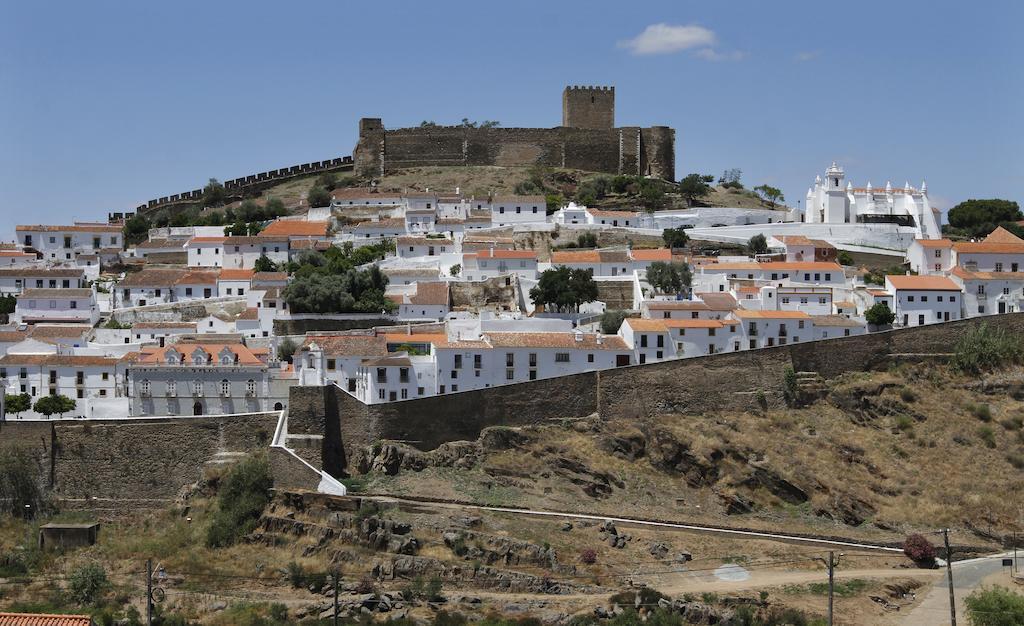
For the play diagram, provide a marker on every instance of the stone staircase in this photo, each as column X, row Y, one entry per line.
column 810, row 385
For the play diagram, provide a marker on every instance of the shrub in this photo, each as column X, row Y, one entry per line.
column 907, row 395
column 1012, row 423
column 982, row 412
column 879, row 315
column 984, row 348
column 919, row 550
column 1016, row 459
column 789, row 387
column 318, row 196
column 365, row 586
column 995, row 606
column 987, row 436
column 588, row 556
column 88, row 582
column 611, row 321
column 296, row 574
column 904, row 423
column 241, row 498
column 844, row 258
column 648, row 597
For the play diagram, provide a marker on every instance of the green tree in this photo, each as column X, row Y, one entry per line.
column 318, row 196
column 845, row 258
column 675, row 237
column 350, row 291
column 327, row 180
column 136, row 229
column 286, row 349
column 264, row 264
column 214, row 193
column 611, row 321
column 17, row 403
column 428, row 124
column 694, row 187
column 652, row 196
column 879, row 315
column 731, row 178
column 554, row 201
column 980, row 217
column 242, row 495
column 669, row 277
column 88, row 582
column 758, row 244
column 54, row 405
column 7, row 304
column 770, row 194
column 564, row 289
column 995, row 606
column 455, row 270
column 274, row 208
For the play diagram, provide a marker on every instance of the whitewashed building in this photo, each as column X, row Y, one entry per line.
column 205, row 251
column 930, row 256
column 65, row 243
column 74, row 306
column 492, row 263
column 921, row 300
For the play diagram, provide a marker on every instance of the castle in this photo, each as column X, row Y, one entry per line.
column 587, row 140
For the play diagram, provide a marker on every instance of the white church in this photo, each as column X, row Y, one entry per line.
column 832, row 202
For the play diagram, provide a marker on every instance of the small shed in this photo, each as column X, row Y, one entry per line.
column 57, row 535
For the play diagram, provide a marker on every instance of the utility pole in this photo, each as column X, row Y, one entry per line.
column 149, row 592
column 336, row 597
column 949, row 576
column 831, row 583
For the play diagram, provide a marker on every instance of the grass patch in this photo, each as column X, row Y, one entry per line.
column 987, row 436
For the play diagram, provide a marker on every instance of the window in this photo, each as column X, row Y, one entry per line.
column 331, row 364
column 981, row 308
column 999, row 267
column 828, row 276
column 643, row 341
column 225, row 388
column 403, row 374
column 590, row 358
column 920, row 320
column 938, row 254
column 785, row 301
column 172, row 388
column 1006, row 291
column 509, row 374
column 405, row 394
column 250, row 387
column 382, row 375
column 910, row 298
column 561, row 357
column 419, row 391
column 477, row 362
column 74, row 304
column 981, row 290
column 144, row 387
column 1013, row 267
column 939, row 298
column 661, row 341
column 510, row 359
column 711, row 332
column 380, row 393
column 952, row 298
column 458, row 363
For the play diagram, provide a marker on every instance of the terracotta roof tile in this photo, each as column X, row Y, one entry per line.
column 922, row 283
column 55, row 293
column 295, row 228
column 159, row 356
column 348, row 345
column 555, row 340
column 44, row 619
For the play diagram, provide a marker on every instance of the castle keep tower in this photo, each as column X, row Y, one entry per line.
column 588, row 107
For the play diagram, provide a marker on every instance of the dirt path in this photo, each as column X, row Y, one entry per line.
column 707, row 581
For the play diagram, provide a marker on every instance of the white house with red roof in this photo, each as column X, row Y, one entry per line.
column 65, row 243
column 920, row 300
column 205, row 251
column 512, row 210
column 200, row 379
column 72, row 306
column 930, row 256
column 492, row 263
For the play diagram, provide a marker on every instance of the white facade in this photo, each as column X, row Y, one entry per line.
column 920, row 300
column 205, row 251
column 492, row 263
column 65, row 243
column 242, row 252
column 930, row 256
column 835, row 201
column 76, row 306
column 511, row 210
column 14, row 280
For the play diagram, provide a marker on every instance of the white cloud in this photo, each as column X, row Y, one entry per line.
column 669, row 38
column 810, row 55
column 710, row 54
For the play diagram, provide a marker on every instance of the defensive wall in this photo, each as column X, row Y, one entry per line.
column 138, row 463
column 251, row 184
column 734, row 381
column 625, row 150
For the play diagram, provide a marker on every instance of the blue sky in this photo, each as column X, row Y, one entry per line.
column 104, row 105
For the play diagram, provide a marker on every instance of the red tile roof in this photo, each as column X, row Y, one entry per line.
column 922, row 283
column 658, row 254
column 503, row 254
column 295, row 228
column 244, row 354
column 236, row 274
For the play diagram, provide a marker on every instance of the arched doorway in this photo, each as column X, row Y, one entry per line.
column 278, row 406
column 197, row 408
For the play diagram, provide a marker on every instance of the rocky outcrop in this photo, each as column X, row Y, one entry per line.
column 478, row 576
column 496, row 549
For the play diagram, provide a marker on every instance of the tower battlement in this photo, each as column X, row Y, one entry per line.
column 588, row 107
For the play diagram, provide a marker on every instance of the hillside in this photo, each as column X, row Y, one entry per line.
column 868, row 456
column 875, row 455
column 479, row 181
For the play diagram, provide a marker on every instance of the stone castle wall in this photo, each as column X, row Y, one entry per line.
column 736, row 381
column 609, row 150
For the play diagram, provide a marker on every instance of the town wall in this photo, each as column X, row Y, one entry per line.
column 735, row 381
column 135, row 462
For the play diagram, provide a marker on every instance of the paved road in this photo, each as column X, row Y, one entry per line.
column 967, row 576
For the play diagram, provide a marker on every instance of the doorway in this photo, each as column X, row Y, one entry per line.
column 197, row 408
